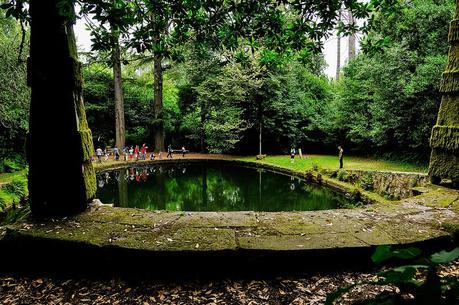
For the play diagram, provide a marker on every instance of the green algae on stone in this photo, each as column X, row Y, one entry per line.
column 298, row 242
column 444, row 162
column 445, row 137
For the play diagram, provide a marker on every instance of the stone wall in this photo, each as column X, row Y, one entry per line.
column 392, row 185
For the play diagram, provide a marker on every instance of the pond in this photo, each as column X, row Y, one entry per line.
column 212, row 187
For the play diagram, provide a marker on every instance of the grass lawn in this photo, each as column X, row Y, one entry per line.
column 331, row 162
column 322, row 161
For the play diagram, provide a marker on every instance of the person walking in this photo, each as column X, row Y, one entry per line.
column 99, row 154
column 116, row 151
column 143, row 151
column 340, row 156
column 136, row 152
column 183, row 151
column 169, row 151
column 126, row 153
column 131, row 152
column 292, row 155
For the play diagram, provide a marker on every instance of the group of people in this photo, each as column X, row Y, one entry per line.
column 140, row 153
column 135, row 153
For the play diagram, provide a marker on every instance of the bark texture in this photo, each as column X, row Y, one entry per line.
column 119, row 97
column 338, row 50
column 444, row 161
column 351, row 38
column 58, row 127
column 158, row 123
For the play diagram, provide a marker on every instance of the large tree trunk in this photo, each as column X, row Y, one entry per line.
column 119, row 97
column 444, row 161
column 59, row 136
column 259, row 137
column 202, row 128
column 338, row 50
column 351, row 39
column 158, row 125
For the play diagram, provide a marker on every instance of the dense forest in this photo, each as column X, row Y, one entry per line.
column 220, row 100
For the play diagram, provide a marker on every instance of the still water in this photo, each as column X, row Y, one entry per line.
column 210, row 187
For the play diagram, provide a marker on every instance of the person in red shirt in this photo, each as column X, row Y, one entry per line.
column 136, row 152
column 143, row 151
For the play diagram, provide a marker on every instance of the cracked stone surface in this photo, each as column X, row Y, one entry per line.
column 414, row 219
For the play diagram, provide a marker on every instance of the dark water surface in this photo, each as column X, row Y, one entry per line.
column 210, row 187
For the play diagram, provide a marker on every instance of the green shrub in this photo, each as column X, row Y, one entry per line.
column 17, row 187
column 12, row 165
column 342, row 176
column 367, row 182
column 4, row 199
column 419, row 277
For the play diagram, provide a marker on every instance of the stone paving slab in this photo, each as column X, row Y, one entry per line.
column 298, row 242
column 218, row 231
column 217, row 220
column 427, row 216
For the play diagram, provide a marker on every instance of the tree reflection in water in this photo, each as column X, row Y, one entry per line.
column 204, row 187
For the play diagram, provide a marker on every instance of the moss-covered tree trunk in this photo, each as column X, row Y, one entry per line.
column 158, row 124
column 59, row 146
column 119, row 97
column 444, row 161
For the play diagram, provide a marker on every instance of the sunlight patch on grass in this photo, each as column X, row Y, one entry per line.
column 331, row 162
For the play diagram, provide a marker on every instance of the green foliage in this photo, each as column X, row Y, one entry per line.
column 388, row 101
column 14, row 215
column 138, row 100
column 342, row 175
column 14, row 191
column 225, row 101
column 367, row 182
column 10, row 165
column 14, row 93
column 420, row 278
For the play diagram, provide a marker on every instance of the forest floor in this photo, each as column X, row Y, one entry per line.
column 304, row 289
column 311, row 161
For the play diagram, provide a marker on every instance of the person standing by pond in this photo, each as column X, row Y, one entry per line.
column 99, row 153
column 136, row 153
column 292, row 154
column 169, row 151
column 143, row 151
column 131, row 152
column 116, row 151
column 340, row 156
column 126, row 153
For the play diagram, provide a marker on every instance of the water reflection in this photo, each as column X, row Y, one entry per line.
column 200, row 187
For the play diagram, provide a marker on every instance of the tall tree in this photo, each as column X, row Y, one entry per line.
column 57, row 113
column 112, row 21
column 338, row 50
column 351, row 38
column 120, row 128
column 444, row 161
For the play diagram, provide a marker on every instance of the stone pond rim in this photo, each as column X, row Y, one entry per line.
column 107, row 232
